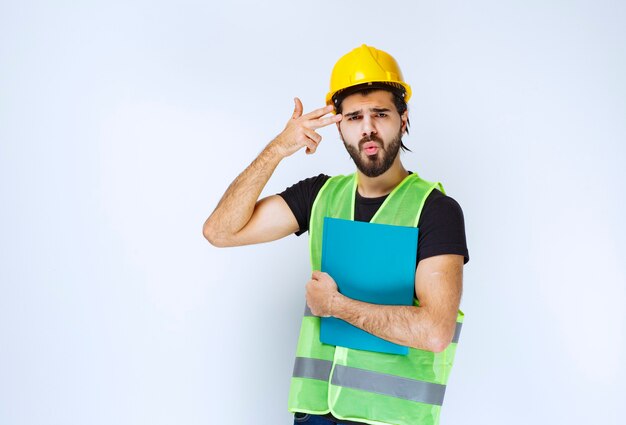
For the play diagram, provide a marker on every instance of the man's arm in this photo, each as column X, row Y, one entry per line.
column 431, row 326
column 239, row 219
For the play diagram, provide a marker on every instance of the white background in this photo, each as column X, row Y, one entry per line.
column 122, row 123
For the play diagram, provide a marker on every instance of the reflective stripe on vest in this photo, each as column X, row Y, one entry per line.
column 365, row 380
column 363, row 386
column 312, row 368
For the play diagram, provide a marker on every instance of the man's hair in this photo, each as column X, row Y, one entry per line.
column 367, row 88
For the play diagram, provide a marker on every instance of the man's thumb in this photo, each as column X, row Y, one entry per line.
column 297, row 110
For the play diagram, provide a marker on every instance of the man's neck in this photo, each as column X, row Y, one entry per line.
column 374, row 187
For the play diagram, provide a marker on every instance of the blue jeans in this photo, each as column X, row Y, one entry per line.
column 305, row 418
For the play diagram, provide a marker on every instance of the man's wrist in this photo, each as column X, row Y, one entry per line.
column 271, row 152
column 337, row 303
column 275, row 150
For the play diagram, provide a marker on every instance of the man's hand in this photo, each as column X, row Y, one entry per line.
column 241, row 218
column 300, row 130
column 321, row 294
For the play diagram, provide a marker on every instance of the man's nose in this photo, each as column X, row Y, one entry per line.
column 368, row 127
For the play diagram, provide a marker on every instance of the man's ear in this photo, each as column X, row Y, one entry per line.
column 405, row 119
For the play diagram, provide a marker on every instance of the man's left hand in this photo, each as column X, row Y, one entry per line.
column 321, row 294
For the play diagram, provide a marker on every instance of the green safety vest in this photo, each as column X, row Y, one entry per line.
column 365, row 386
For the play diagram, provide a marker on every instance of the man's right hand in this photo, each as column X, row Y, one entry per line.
column 240, row 218
column 300, row 130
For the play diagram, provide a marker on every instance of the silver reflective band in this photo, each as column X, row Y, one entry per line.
column 374, row 382
column 312, row 368
column 457, row 332
column 394, row 386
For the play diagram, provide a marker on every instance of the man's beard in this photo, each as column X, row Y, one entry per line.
column 374, row 165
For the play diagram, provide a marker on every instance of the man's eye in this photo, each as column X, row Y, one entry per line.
column 381, row 115
column 353, row 118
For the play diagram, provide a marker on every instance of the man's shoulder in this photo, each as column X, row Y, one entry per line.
column 442, row 227
column 300, row 197
column 320, row 179
column 308, row 185
column 313, row 185
column 437, row 199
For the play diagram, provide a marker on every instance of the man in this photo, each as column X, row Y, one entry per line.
column 336, row 384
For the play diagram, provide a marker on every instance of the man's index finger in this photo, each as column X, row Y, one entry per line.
column 319, row 112
column 323, row 122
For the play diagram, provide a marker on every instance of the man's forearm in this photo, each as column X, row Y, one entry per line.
column 237, row 204
column 431, row 326
column 405, row 325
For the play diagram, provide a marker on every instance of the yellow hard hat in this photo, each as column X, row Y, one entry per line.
column 366, row 64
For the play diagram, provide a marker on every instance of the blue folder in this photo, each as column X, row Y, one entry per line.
column 369, row 262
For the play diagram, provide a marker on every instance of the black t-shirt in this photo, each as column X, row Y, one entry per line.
column 441, row 224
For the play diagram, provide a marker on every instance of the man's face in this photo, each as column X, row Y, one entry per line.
column 371, row 130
